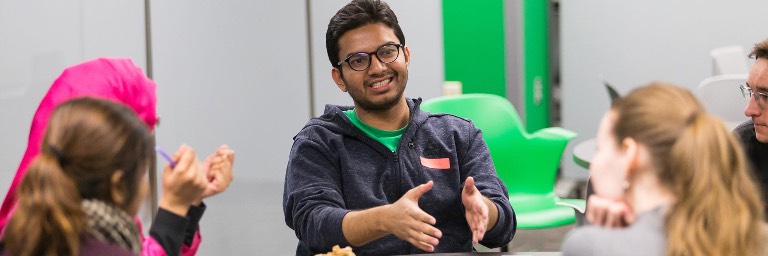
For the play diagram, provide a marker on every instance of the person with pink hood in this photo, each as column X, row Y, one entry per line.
column 120, row 80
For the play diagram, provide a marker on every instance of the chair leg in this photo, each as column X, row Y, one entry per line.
column 505, row 248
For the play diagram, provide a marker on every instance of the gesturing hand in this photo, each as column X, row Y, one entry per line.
column 476, row 211
column 218, row 170
column 409, row 223
column 608, row 213
column 183, row 184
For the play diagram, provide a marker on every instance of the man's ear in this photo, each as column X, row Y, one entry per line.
column 407, row 55
column 338, row 79
column 117, row 190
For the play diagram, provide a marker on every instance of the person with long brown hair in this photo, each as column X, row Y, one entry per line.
column 682, row 174
column 120, row 80
column 79, row 194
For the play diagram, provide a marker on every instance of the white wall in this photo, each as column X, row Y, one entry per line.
column 235, row 72
column 38, row 39
column 232, row 72
column 631, row 43
column 422, row 24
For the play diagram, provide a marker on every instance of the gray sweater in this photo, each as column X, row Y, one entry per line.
column 334, row 168
column 644, row 237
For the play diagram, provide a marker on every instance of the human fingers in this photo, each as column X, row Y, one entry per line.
column 419, row 233
column 469, row 185
column 596, row 208
column 183, row 148
column 611, row 218
column 481, row 222
column 478, row 230
column 186, row 159
column 224, row 150
column 416, row 193
column 477, row 218
column 608, row 213
column 424, row 223
column 225, row 176
column 422, row 241
column 217, row 183
column 222, row 173
column 426, row 247
column 628, row 217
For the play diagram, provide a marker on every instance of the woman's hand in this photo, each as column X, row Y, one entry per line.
column 183, row 184
column 218, row 170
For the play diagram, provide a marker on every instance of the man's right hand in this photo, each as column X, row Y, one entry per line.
column 609, row 213
column 408, row 222
column 403, row 219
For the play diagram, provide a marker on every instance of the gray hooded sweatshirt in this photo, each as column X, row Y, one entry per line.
column 334, row 168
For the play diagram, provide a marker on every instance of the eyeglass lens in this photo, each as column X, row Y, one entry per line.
column 760, row 98
column 386, row 54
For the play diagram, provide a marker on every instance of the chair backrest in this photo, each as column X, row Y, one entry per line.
column 613, row 94
column 520, row 167
column 721, row 97
column 728, row 60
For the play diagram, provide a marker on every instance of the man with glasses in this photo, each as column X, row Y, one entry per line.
column 754, row 133
column 383, row 176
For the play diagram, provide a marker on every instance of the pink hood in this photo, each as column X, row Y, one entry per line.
column 108, row 78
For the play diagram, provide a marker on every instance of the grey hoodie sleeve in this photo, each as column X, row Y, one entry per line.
column 477, row 161
column 312, row 200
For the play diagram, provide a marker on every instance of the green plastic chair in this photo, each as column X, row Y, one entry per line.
column 526, row 163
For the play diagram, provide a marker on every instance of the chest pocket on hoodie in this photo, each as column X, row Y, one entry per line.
column 440, row 165
column 436, row 157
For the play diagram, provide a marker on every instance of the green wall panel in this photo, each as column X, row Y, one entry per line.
column 536, row 64
column 474, row 45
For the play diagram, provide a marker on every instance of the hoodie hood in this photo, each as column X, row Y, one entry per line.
column 335, row 120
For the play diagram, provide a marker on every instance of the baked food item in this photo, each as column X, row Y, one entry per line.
column 338, row 251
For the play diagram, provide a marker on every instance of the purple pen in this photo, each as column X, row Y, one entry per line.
column 164, row 155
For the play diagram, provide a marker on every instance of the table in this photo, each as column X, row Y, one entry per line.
column 495, row 254
column 584, row 151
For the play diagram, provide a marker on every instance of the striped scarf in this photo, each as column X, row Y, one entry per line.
column 112, row 225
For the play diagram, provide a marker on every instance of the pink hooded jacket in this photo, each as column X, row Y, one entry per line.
column 107, row 78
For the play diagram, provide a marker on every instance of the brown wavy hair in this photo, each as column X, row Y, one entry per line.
column 87, row 140
column 718, row 209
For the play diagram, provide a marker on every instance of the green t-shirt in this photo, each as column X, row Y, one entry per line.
column 390, row 139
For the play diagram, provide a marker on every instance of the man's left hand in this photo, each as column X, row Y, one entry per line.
column 476, row 210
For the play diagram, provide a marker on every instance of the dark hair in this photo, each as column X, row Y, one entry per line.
column 354, row 15
column 87, row 140
column 760, row 51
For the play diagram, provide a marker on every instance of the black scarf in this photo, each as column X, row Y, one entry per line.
column 112, row 225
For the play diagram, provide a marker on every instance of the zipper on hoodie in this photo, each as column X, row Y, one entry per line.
column 398, row 174
column 421, row 168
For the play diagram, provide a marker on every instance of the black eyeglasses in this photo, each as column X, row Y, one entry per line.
column 761, row 98
column 361, row 61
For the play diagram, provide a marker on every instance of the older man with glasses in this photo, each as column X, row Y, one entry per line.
column 383, row 176
column 754, row 133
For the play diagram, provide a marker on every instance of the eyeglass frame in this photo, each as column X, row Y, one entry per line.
column 374, row 53
column 747, row 93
